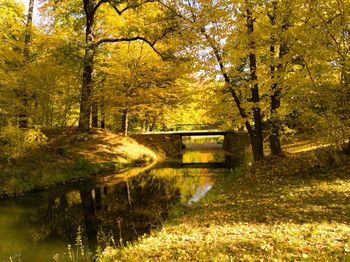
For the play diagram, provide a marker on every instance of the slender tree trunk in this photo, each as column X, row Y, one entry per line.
column 128, row 193
column 98, row 198
column 153, row 124
column 146, row 126
column 28, row 35
column 23, row 116
column 274, row 138
column 103, row 116
column 256, row 135
column 345, row 83
column 94, row 118
column 125, row 121
column 86, row 90
column 88, row 67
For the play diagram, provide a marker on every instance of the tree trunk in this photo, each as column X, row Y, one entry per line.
column 125, row 122
column 23, row 116
column 256, row 134
column 128, row 193
column 275, row 125
column 103, row 116
column 88, row 67
column 98, row 198
column 86, row 90
column 94, row 118
column 153, row 125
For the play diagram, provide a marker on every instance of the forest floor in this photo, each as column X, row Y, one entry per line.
column 70, row 156
column 295, row 208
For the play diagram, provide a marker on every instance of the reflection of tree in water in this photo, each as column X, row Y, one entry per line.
column 54, row 218
column 142, row 204
column 123, row 211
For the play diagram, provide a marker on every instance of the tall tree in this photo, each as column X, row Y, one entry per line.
column 11, row 58
column 138, row 85
column 23, row 116
column 324, row 55
column 256, row 136
column 215, row 27
column 91, row 44
column 278, row 50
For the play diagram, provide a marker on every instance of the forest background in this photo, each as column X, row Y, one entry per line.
column 281, row 66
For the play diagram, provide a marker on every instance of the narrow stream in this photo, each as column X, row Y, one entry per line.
column 67, row 221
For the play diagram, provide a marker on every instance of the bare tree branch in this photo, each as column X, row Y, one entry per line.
column 99, row 4
column 131, row 39
column 119, row 12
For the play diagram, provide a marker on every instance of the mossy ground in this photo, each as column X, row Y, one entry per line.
column 70, row 156
column 292, row 209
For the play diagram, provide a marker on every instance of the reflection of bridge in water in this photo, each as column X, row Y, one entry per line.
column 172, row 144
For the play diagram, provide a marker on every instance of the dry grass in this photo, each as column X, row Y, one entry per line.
column 103, row 146
column 70, row 156
column 291, row 209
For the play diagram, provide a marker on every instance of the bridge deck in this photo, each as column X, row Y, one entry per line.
column 189, row 133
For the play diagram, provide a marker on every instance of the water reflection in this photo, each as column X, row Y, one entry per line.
column 200, row 192
column 208, row 149
column 40, row 226
column 199, row 178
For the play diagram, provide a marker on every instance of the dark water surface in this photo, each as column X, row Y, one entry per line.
column 73, row 220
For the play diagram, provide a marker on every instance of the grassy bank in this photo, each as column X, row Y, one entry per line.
column 68, row 156
column 294, row 209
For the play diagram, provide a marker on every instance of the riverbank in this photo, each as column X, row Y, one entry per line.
column 291, row 209
column 68, row 156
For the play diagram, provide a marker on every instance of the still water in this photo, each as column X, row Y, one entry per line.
column 71, row 221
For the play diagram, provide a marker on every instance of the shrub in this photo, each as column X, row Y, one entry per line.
column 16, row 142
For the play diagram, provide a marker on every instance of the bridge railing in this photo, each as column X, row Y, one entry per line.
column 189, row 127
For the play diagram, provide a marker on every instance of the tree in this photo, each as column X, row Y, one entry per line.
column 323, row 57
column 214, row 26
column 23, row 116
column 256, row 136
column 54, row 80
column 90, row 9
column 11, row 59
column 280, row 22
column 138, row 85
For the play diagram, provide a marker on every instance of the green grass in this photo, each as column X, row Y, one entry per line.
column 291, row 209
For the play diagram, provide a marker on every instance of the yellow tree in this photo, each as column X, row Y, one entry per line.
column 90, row 8
column 332, row 19
column 321, row 72
column 23, row 116
column 137, row 84
column 218, row 27
column 11, row 58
